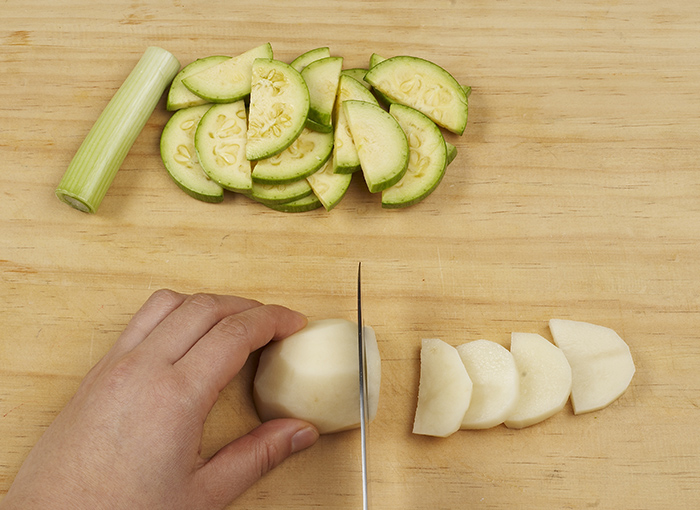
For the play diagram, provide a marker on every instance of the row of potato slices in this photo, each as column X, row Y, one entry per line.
column 481, row 384
column 291, row 135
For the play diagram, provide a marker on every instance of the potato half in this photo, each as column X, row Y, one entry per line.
column 313, row 375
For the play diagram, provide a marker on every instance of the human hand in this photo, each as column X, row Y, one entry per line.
column 130, row 437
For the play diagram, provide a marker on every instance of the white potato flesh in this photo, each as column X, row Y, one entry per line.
column 601, row 363
column 492, row 370
column 545, row 379
column 313, row 375
column 444, row 392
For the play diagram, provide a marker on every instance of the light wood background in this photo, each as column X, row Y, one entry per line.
column 575, row 194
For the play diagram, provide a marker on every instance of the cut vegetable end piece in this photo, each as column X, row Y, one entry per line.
column 496, row 383
column 328, row 186
column 380, row 142
column 425, row 86
column 95, row 164
column 220, row 142
column 307, row 153
column 601, row 363
column 179, row 155
column 444, row 392
column 180, row 96
column 321, row 77
column 279, row 107
column 305, row 59
column 427, row 159
column 229, row 80
column 545, row 379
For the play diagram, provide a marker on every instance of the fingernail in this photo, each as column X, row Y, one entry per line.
column 304, row 438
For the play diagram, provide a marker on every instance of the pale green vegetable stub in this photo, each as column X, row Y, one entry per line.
column 95, row 164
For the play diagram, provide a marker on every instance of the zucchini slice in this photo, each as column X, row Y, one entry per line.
column 180, row 157
column 357, row 73
column 220, row 143
column 180, row 96
column 279, row 107
column 321, row 77
column 308, row 203
column 381, row 144
column 307, row 153
column 345, row 158
column 280, row 193
column 451, row 152
column 316, row 126
column 423, row 85
column 426, row 163
column 374, row 59
column 229, row 80
column 305, row 59
column 328, row 186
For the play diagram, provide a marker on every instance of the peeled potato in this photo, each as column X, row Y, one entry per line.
column 492, row 370
column 545, row 379
column 444, row 392
column 601, row 363
column 313, row 375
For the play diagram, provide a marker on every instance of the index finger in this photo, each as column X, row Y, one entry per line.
column 156, row 308
column 220, row 354
column 189, row 322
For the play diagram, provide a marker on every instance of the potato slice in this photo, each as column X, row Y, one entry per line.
column 492, row 370
column 545, row 379
column 313, row 375
column 444, row 392
column 601, row 363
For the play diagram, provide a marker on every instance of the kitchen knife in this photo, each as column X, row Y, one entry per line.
column 364, row 407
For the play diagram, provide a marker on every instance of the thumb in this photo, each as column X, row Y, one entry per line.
column 239, row 464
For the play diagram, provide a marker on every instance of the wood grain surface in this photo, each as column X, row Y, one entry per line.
column 575, row 194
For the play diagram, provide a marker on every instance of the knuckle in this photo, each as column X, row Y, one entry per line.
column 267, row 455
column 236, row 326
column 172, row 392
column 208, row 302
column 118, row 378
column 132, row 380
column 165, row 297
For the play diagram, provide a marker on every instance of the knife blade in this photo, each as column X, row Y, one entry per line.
column 364, row 406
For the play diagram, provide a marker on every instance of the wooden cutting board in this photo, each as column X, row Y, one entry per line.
column 575, row 194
